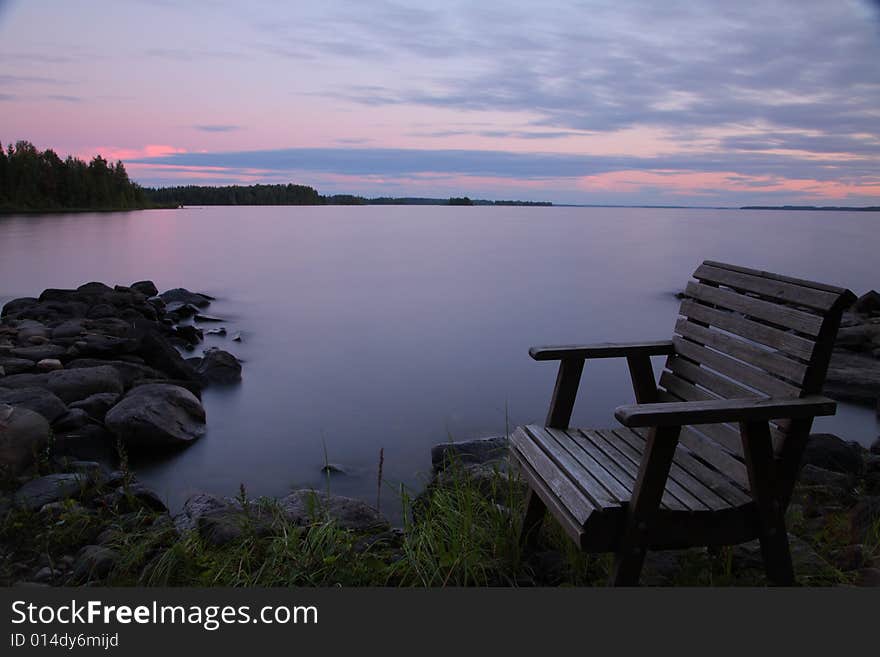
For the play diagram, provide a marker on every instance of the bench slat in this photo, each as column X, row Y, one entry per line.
column 575, row 501
column 773, row 313
column 738, row 324
column 768, row 287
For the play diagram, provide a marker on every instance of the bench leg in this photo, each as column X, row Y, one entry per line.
column 628, row 567
column 534, row 517
column 758, row 452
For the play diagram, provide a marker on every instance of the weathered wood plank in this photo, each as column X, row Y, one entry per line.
column 773, row 288
column 596, row 467
column 709, row 451
column 773, row 313
column 568, row 380
column 562, row 487
column 679, row 474
column 771, row 362
column 603, row 350
column 675, row 497
column 735, row 370
column 705, row 378
column 779, row 277
column 774, row 338
column 554, row 504
column 723, row 410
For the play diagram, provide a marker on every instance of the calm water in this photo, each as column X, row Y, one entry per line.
column 400, row 327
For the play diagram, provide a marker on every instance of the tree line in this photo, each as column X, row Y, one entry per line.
column 31, row 179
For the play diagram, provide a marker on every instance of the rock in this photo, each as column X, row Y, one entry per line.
column 49, row 365
column 812, row 475
column 39, row 352
column 103, row 346
column 494, row 479
column 182, row 295
column 861, row 337
column 51, row 488
column 307, row 506
column 74, row 384
column 38, row 400
column 217, row 331
column 236, row 337
column 194, row 387
column 71, row 421
column 218, row 366
column 90, row 441
column 853, row 377
column 189, row 333
column 334, row 468
column 160, row 354
column 71, row 328
column 15, row 365
column 195, row 507
column 147, row 288
column 479, row 450
column 157, row 414
column 852, row 557
column 28, row 328
column 23, row 434
column 180, row 311
column 864, row 519
column 37, row 340
column 129, row 371
column 97, row 405
column 875, row 446
column 45, row 575
column 93, row 562
column 208, row 318
column 868, row 303
column 868, row 577
column 230, row 523
column 136, row 495
column 827, row 451
column 17, row 305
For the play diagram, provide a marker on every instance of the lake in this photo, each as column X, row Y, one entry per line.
column 396, row 328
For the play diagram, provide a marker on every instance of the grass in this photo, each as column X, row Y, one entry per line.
column 461, row 531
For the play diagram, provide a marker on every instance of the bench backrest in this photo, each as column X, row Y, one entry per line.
column 749, row 333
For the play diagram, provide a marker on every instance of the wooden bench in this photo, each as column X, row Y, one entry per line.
column 708, row 455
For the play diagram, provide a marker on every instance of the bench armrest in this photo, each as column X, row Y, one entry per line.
column 604, row 350
column 722, row 410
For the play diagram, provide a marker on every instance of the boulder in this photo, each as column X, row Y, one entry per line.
column 853, row 377
column 218, row 366
column 75, row 384
column 93, row 345
column 868, row 303
column 97, row 405
column 182, row 295
column 28, row 328
column 51, row 488
column 134, row 496
column 147, row 288
column 811, row 475
column 38, row 400
column 208, row 318
column 16, row 365
column 864, row 519
column 93, row 562
column 196, row 506
column 90, row 441
column 231, row 523
column 39, row 352
column 827, row 451
column 479, row 450
column 23, row 433
column 306, row 506
column 129, row 371
column 74, row 419
column 189, row 333
column 157, row 414
column 18, row 305
column 157, row 352
column 70, row 328
column 49, row 365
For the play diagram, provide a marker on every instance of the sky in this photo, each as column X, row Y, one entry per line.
column 638, row 102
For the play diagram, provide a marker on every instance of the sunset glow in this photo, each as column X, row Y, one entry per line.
column 642, row 103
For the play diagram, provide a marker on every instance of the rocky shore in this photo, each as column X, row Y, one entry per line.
column 89, row 375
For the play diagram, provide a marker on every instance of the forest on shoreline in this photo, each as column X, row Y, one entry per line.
column 40, row 181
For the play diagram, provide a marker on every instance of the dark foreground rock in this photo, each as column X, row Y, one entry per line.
column 23, row 434
column 218, row 366
column 157, row 414
column 306, row 506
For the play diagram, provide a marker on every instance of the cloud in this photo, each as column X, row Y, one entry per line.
column 525, row 166
column 217, row 128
